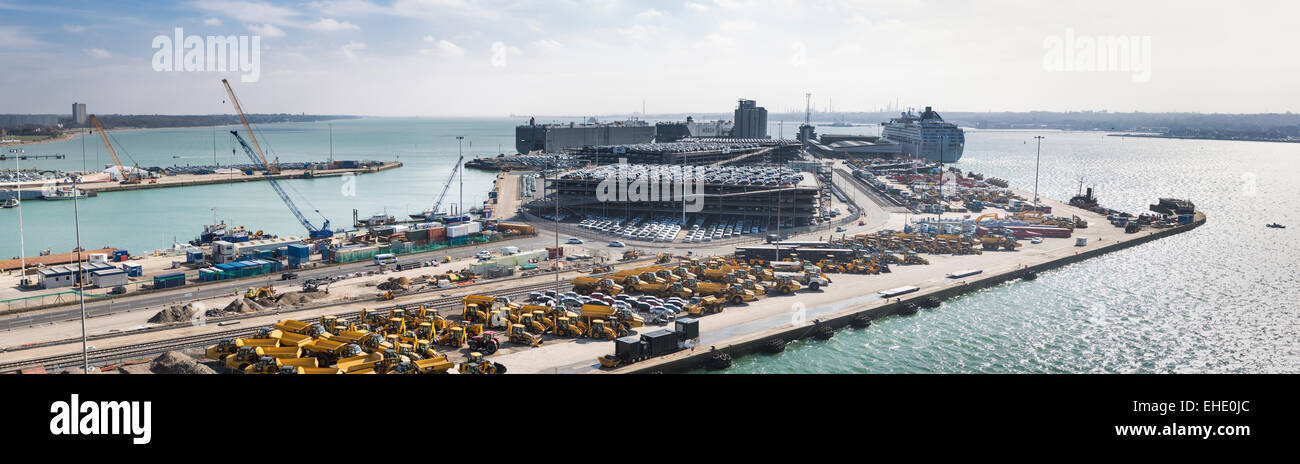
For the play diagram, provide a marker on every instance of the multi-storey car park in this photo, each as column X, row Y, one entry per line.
column 693, row 151
column 745, row 199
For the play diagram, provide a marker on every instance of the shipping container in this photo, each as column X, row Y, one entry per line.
column 169, row 280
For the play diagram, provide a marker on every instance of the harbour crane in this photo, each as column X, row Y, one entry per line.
column 431, row 215
column 322, row 232
column 454, row 170
column 239, row 109
column 132, row 177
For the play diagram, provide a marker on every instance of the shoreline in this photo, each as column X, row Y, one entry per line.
column 756, row 343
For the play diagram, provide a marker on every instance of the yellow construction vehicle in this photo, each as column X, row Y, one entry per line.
column 225, row 348
column 273, row 365
column 630, row 255
column 243, row 357
column 737, row 294
column 784, row 286
column 478, row 307
column 454, row 337
column 565, row 327
column 705, row 305
column 360, row 363
column 260, row 294
column 601, row 331
column 311, row 370
column 679, row 290
column 438, row 365
column 478, row 365
column 328, row 352
column 663, row 258
column 991, row 242
column 519, row 335
column 588, row 285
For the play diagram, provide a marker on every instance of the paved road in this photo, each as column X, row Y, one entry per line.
column 162, row 299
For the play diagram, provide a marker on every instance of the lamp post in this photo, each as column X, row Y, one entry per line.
column 460, row 210
column 1037, row 158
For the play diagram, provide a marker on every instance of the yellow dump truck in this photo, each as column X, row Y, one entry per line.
column 356, row 364
column 273, row 365
column 225, row 348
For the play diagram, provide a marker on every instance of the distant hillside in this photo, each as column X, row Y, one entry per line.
column 146, row 121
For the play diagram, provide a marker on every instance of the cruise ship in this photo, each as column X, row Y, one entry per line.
column 926, row 136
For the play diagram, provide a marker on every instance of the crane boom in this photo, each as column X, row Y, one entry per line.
column 454, row 169
column 103, row 135
column 239, row 109
column 323, row 232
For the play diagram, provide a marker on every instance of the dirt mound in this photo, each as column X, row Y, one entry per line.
column 299, row 298
column 239, row 306
column 175, row 362
column 174, row 314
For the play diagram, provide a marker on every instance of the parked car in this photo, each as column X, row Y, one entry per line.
column 616, row 244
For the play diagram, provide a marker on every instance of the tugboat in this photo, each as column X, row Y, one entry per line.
column 1085, row 201
column 1275, row 226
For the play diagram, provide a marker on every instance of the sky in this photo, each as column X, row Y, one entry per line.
column 494, row 58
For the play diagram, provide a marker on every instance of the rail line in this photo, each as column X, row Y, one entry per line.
column 140, row 350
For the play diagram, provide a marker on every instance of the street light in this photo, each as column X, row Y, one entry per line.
column 1038, row 157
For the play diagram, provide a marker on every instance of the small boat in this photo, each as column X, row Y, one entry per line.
column 9, row 203
column 64, row 193
column 1275, row 226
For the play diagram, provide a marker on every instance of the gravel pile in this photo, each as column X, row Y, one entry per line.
column 174, row 314
column 175, row 362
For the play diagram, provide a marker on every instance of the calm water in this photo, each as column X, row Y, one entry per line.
column 150, row 219
column 1219, row 299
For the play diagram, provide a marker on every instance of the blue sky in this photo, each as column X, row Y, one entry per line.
column 577, row 57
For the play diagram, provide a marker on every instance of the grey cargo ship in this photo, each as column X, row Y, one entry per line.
column 554, row 138
column 926, row 136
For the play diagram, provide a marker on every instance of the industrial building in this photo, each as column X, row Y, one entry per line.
column 66, row 276
column 751, row 121
column 554, row 138
column 692, row 151
column 761, row 193
column 862, row 146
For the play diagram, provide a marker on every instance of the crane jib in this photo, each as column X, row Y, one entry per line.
column 322, row 232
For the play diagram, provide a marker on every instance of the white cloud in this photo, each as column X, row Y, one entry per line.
column 649, row 14
column 98, row 53
column 442, row 48
column 696, row 7
column 350, row 50
column 212, row 22
column 16, row 37
column 266, row 30
column 546, row 44
column 248, row 12
column 332, row 25
column 74, row 27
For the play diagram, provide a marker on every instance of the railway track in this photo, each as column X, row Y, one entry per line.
column 100, row 357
